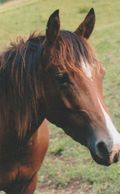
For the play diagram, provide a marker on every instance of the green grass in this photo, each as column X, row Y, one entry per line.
column 68, row 167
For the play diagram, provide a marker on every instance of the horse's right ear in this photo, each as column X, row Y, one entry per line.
column 53, row 27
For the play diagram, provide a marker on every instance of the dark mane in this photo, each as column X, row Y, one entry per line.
column 19, row 79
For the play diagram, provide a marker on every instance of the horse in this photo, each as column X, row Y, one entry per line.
column 55, row 77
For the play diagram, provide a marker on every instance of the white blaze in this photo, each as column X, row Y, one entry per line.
column 86, row 69
column 110, row 126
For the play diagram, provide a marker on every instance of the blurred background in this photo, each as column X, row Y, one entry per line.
column 3, row 1
column 68, row 167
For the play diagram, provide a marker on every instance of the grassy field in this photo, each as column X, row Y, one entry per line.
column 68, row 167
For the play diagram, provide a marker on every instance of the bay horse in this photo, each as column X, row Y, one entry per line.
column 57, row 77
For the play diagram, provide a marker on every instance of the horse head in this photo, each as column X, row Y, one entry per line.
column 72, row 79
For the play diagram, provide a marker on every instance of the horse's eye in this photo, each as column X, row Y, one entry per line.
column 62, row 78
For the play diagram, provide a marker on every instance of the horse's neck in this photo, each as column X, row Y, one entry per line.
column 36, row 122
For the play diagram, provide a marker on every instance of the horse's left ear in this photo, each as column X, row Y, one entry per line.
column 53, row 27
column 86, row 27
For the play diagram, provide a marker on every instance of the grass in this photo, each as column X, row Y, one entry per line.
column 68, row 167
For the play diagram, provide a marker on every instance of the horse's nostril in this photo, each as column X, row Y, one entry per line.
column 102, row 150
column 106, row 153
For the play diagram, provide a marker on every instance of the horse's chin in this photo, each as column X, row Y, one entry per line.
column 100, row 161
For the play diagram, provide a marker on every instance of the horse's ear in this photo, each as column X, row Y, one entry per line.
column 86, row 27
column 53, row 27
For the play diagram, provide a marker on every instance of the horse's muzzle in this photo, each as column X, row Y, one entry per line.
column 105, row 154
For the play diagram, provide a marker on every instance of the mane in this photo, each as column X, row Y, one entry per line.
column 73, row 51
column 19, row 67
